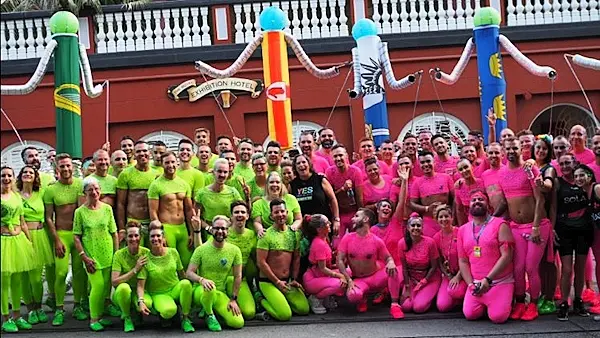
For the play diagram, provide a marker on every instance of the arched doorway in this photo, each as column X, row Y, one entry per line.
column 562, row 117
column 297, row 128
column 11, row 155
column 437, row 123
column 170, row 138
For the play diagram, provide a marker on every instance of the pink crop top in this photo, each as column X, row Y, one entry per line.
column 435, row 185
column 319, row 251
column 418, row 258
column 367, row 248
column 463, row 192
column 514, row 182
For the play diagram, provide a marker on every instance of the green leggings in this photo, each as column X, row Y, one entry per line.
column 177, row 237
column 164, row 303
column 215, row 300
column 62, row 268
column 99, row 291
column 32, row 288
column 280, row 306
column 245, row 299
column 11, row 283
column 122, row 297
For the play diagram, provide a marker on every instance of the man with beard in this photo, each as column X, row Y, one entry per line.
column 430, row 191
column 485, row 249
column 386, row 153
column 132, row 188
column 233, row 180
column 364, row 252
column 210, row 267
column 475, row 138
column 425, row 140
column 578, row 138
column 530, row 227
column 367, row 150
column 192, row 176
column 31, row 156
column 346, row 181
column 326, row 140
column 479, row 165
column 158, row 149
column 204, row 156
column 60, row 201
column 560, row 147
column 170, row 202
column 202, row 138
column 273, row 155
column 490, row 177
column 527, row 140
column 278, row 260
column 244, row 167
column 118, row 163
column 307, row 145
column 127, row 145
column 108, row 183
column 444, row 163
column 410, row 150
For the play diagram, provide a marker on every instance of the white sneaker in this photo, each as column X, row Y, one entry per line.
column 330, row 303
column 316, row 305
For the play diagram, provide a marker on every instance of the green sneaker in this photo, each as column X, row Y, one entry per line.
column 96, row 327
column 51, row 303
column 32, row 317
column 549, row 307
column 22, row 324
column 213, row 323
column 541, row 301
column 42, row 316
column 187, row 327
column 112, row 310
column 85, row 304
column 59, row 318
column 10, row 326
column 105, row 322
column 79, row 313
column 128, row 325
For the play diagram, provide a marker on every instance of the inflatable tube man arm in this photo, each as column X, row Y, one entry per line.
column 524, row 61
column 451, row 78
column 306, row 61
column 37, row 77
column 586, row 62
column 357, row 90
column 384, row 58
column 88, row 82
column 237, row 64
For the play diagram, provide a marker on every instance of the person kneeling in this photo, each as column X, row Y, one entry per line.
column 209, row 267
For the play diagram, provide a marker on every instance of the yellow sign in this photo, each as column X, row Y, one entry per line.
column 193, row 92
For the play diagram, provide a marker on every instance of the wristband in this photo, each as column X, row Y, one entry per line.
column 489, row 280
column 197, row 231
column 122, row 230
column 140, row 300
column 82, row 253
column 234, row 297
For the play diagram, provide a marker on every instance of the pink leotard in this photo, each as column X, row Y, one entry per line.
column 418, row 258
column 514, row 182
column 384, row 169
column 434, row 185
column 319, row 164
column 446, row 167
column 368, row 248
column 372, row 194
column 491, row 181
column 327, row 158
column 463, row 192
column 446, row 244
column 390, row 234
column 319, row 251
column 585, row 157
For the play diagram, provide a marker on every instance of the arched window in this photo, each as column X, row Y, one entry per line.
column 437, row 123
column 11, row 155
column 561, row 118
column 170, row 138
column 297, row 128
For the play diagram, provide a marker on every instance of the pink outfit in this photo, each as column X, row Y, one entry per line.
column 415, row 170
column 369, row 248
column 418, row 261
column 596, row 251
column 528, row 256
column 498, row 300
column 480, row 165
column 319, row 164
column 585, row 157
column 491, row 181
column 395, row 191
column 446, row 167
column 556, row 166
column 315, row 282
column 372, row 194
column 462, row 194
column 327, row 158
column 384, row 169
column 596, row 169
column 390, row 234
column 427, row 186
column 448, row 298
column 514, row 182
column 337, row 180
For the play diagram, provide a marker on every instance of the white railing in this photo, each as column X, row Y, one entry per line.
column 539, row 12
column 24, row 38
column 308, row 19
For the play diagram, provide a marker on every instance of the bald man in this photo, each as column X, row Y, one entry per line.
column 578, row 138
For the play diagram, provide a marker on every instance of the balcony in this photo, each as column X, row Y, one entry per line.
column 217, row 29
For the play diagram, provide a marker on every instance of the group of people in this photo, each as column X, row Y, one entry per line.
column 147, row 231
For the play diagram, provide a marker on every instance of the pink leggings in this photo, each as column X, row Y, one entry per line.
column 321, row 287
column 430, row 226
column 375, row 283
column 420, row 301
column 527, row 258
column 497, row 301
column 447, row 298
column 595, row 250
column 345, row 225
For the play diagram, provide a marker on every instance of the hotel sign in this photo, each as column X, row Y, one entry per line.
column 224, row 90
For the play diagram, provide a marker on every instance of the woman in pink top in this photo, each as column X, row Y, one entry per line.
column 419, row 256
column 321, row 280
column 453, row 287
column 462, row 189
column 485, row 249
column 377, row 186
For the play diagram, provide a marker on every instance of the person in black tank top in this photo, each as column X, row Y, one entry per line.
column 574, row 233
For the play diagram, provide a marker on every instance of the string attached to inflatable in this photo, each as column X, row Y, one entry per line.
column 585, row 62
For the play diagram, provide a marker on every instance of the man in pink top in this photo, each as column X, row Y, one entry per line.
column 490, row 176
column 444, row 163
column 326, row 140
column 425, row 140
column 367, row 150
column 469, row 152
column 527, row 140
column 595, row 165
column 386, row 154
column 410, row 149
column 475, row 138
column 307, row 145
column 364, row 253
column 578, row 138
column 485, row 251
column 429, row 191
column 346, row 181
column 560, row 147
column 531, row 229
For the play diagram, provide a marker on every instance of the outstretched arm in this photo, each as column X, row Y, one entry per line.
column 357, row 90
column 384, row 57
column 524, row 61
column 586, row 62
column 88, row 83
column 451, row 78
column 36, row 78
column 307, row 63
column 237, row 64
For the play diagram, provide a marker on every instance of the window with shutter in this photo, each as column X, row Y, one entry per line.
column 11, row 155
column 437, row 123
column 297, row 128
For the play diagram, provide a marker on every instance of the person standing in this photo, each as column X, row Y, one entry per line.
column 261, row 213
column 31, row 156
column 108, row 183
column 244, row 166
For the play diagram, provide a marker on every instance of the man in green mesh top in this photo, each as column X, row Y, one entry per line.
column 132, row 188
column 60, row 201
column 118, row 163
column 31, row 156
column 278, row 259
column 202, row 138
column 170, row 202
column 158, row 148
column 189, row 174
column 244, row 166
column 108, row 183
column 233, row 180
column 210, row 266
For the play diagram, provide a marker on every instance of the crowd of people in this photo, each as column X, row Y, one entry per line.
column 507, row 230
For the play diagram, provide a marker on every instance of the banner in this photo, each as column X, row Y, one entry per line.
column 193, row 92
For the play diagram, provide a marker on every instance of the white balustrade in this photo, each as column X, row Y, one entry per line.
column 23, row 38
column 537, row 12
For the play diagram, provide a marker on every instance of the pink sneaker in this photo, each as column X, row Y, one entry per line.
column 588, row 296
column 396, row 311
column 531, row 312
column 517, row 311
column 362, row 306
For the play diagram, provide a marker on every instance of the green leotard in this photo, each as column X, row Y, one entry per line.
column 108, row 184
column 275, row 240
column 161, row 272
column 163, row 186
column 245, row 241
column 33, row 207
column 12, row 210
column 133, row 179
column 245, row 171
column 62, row 194
column 216, row 203
column 255, row 190
column 235, row 181
column 124, row 261
column 95, row 228
column 193, row 177
column 46, row 179
column 216, row 263
column 261, row 208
